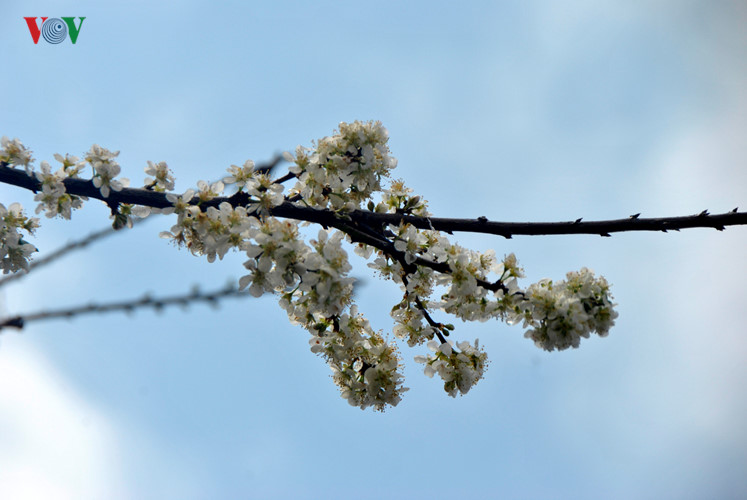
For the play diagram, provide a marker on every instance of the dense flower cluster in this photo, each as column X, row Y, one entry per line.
column 15, row 154
column 459, row 370
column 343, row 173
column 316, row 292
column 365, row 366
column 559, row 314
column 105, row 169
column 53, row 199
column 313, row 286
column 343, row 170
column 466, row 295
column 14, row 251
column 261, row 187
column 212, row 232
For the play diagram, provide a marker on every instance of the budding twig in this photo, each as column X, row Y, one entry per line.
column 156, row 303
column 62, row 251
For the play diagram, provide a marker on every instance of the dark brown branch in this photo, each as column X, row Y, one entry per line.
column 82, row 187
column 438, row 328
column 602, row 228
column 324, row 217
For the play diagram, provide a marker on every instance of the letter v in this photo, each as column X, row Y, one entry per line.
column 74, row 32
column 33, row 28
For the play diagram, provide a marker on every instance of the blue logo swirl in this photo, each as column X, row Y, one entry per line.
column 54, row 30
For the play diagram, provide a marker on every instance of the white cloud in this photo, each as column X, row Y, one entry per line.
column 53, row 444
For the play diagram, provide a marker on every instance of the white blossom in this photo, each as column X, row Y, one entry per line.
column 343, row 170
column 268, row 193
column 364, row 366
column 53, row 199
column 71, row 165
column 161, row 179
column 14, row 153
column 562, row 313
column 460, row 368
column 105, row 170
column 207, row 191
column 399, row 198
column 240, row 175
column 14, row 251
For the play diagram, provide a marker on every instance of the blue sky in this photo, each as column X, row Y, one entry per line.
column 523, row 110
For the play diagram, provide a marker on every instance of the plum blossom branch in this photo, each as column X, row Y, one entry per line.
column 162, row 180
column 134, row 196
column 403, row 242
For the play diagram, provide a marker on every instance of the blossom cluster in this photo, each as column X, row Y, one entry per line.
column 460, row 370
column 316, row 293
column 53, row 198
column 343, row 170
column 365, row 367
column 341, row 173
column 15, row 252
column 312, row 283
column 559, row 314
column 162, row 179
column 212, row 232
column 15, row 154
column 261, row 187
column 105, row 169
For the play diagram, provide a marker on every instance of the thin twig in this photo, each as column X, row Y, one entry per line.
column 156, row 303
column 64, row 250
column 269, row 165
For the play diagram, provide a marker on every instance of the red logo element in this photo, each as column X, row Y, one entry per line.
column 34, row 29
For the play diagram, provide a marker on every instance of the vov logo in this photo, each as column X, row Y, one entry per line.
column 53, row 29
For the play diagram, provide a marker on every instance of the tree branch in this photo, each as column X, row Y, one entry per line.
column 325, row 217
column 62, row 251
column 147, row 301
